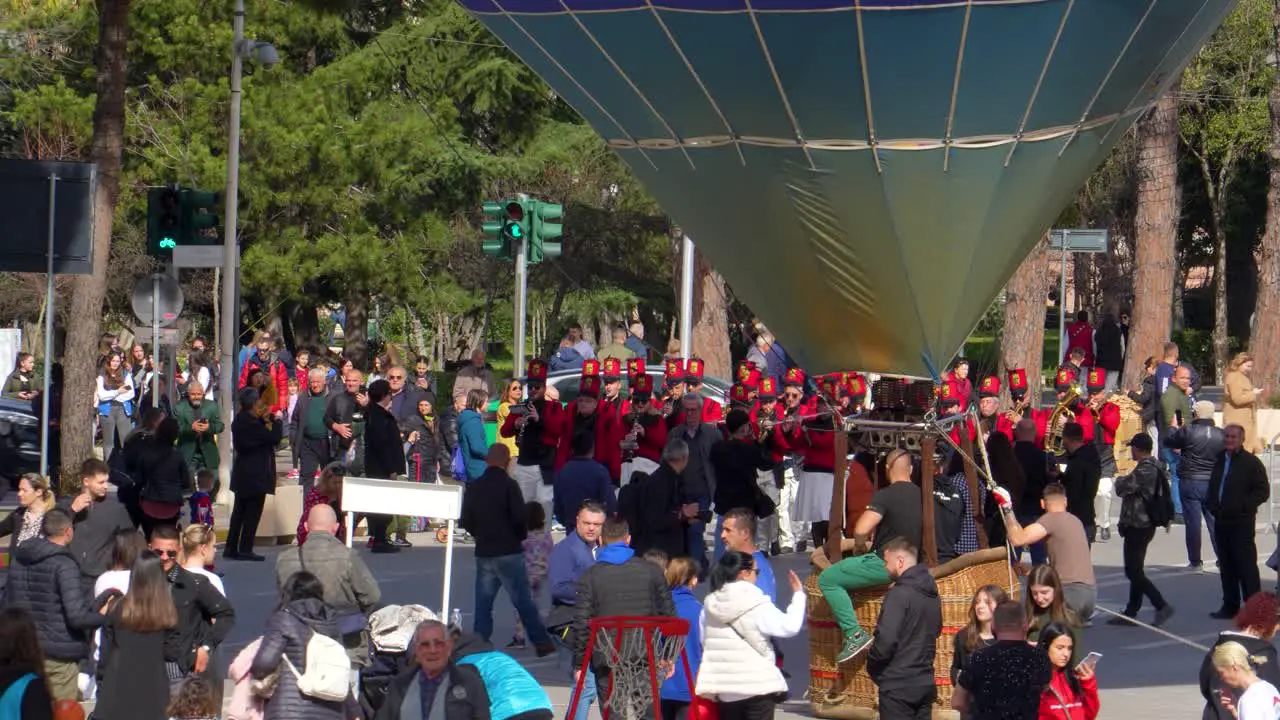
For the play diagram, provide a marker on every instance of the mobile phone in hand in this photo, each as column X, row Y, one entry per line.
column 1090, row 660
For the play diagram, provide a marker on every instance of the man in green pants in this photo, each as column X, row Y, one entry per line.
column 894, row 511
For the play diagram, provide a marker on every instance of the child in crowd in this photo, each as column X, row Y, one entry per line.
column 537, row 550
column 201, row 501
column 290, row 422
column 194, row 700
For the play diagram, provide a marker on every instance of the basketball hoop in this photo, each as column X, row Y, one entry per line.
column 641, row 653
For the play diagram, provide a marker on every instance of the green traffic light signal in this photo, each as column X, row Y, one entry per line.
column 545, row 234
column 164, row 220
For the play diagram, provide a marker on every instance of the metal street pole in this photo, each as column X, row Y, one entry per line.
column 231, row 252
column 686, row 299
column 155, row 340
column 521, row 302
column 48, row 335
column 1062, row 305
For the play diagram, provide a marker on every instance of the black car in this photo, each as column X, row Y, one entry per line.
column 19, row 441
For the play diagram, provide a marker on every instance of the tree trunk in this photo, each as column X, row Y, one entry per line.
column 356, row 332
column 1220, row 304
column 304, row 321
column 1022, row 338
column 710, row 334
column 85, row 320
column 417, row 336
column 1265, row 341
column 1156, row 226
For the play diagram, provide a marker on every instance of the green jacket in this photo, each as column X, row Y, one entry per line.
column 193, row 444
column 1172, row 402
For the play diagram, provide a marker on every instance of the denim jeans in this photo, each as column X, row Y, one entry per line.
column 1195, row 499
column 1171, row 459
column 695, row 536
column 1039, row 551
column 588, row 686
column 508, row 572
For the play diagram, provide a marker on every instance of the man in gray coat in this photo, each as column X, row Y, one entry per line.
column 349, row 587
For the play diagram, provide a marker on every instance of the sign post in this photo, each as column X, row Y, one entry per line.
column 1072, row 241
column 400, row 497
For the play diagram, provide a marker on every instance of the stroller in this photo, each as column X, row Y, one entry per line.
column 391, row 637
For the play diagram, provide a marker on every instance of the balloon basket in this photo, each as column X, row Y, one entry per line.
column 846, row 692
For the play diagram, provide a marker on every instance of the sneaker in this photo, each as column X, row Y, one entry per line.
column 1105, row 534
column 1162, row 615
column 853, row 645
column 384, row 547
column 802, row 546
column 517, row 643
column 1196, row 566
column 1223, row 614
column 1123, row 620
column 1178, row 519
column 401, row 542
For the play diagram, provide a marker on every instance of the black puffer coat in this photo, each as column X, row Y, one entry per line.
column 163, row 473
column 45, row 581
column 288, row 632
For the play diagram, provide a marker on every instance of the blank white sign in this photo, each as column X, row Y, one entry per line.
column 400, row 497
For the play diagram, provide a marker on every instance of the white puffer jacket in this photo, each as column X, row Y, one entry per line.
column 737, row 658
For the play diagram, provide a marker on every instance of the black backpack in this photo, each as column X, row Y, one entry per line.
column 1160, row 505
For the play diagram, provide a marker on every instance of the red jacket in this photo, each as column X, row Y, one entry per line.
column 608, row 441
column 817, row 446
column 1108, row 421
column 1071, row 706
column 550, row 412
column 1005, row 426
column 776, row 441
column 654, row 438
column 712, row 412
column 1080, row 335
column 276, row 370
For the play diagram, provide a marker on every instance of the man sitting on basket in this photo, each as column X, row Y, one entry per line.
column 894, row 511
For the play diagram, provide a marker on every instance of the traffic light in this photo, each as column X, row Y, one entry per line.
column 545, row 234
column 164, row 220
column 200, row 221
column 180, row 216
column 507, row 228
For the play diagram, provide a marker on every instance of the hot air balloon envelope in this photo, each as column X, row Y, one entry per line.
column 867, row 174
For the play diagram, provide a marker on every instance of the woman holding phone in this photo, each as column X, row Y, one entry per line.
column 1072, row 693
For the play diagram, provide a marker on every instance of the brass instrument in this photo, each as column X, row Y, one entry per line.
column 1018, row 410
column 1062, row 414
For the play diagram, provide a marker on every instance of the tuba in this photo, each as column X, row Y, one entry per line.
column 1062, row 414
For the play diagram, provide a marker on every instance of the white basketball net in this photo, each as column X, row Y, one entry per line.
column 631, row 696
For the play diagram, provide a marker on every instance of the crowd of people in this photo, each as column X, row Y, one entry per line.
column 638, row 478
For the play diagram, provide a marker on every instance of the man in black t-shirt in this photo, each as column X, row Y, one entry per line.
column 894, row 512
column 1004, row 681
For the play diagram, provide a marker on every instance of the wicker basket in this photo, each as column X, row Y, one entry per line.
column 846, row 692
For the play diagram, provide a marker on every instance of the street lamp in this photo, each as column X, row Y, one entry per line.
column 264, row 54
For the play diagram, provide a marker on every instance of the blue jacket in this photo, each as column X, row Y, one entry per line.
column 688, row 608
column 512, row 690
column 579, row 480
column 569, row 559
column 566, row 359
column 471, row 440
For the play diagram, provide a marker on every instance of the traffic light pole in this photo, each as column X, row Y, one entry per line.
column 229, row 336
column 686, row 298
column 155, row 340
column 521, row 302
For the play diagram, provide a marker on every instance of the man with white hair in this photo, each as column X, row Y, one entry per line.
column 1200, row 444
column 475, row 376
column 310, row 437
column 349, row 587
column 199, row 422
column 434, row 688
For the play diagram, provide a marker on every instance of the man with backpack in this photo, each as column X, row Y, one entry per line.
column 1147, row 504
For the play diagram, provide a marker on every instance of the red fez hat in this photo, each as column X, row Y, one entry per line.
column 794, row 377
column 748, row 374
column 693, row 371
column 740, row 394
column 947, row 394
column 612, row 368
column 536, row 370
column 635, row 367
column 1096, row 380
column 855, row 386
column 642, row 384
column 990, row 387
column 1017, row 383
column 591, row 368
column 1064, row 380
column 831, row 385
column 768, row 389
column 590, row 386
column 675, row 371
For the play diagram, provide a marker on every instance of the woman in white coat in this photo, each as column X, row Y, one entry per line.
column 739, row 671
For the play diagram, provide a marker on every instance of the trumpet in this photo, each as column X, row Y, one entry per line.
column 1015, row 413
